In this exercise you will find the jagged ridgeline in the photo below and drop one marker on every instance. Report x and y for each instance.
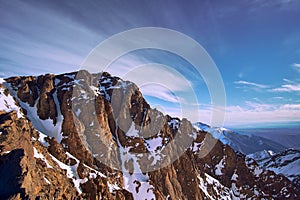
(93, 136)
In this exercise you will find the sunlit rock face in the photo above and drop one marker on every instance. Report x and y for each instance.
(94, 136)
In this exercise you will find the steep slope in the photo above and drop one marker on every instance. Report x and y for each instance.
(246, 144)
(35, 166)
(93, 136)
(286, 163)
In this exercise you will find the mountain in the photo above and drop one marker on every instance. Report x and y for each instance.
(287, 136)
(286, 163)
(278, 159)
(93, 136)
(246, 144)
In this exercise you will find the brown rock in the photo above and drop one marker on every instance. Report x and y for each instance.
(94, 136)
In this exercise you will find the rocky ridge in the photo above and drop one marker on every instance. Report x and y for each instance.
(93, 136)
(246, 144)
(286, 163)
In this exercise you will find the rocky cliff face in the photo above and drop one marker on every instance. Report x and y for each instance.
(93, 136)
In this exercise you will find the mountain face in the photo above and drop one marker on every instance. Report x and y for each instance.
(93, 136)
(286, 163)
(246, 144)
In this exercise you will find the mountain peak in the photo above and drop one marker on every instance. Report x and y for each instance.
(94, 136)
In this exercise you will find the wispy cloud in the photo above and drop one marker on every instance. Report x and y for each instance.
(252, 113)
(160, 92)
(255, 113)
(288, 81)
(287, 88)
(278, 97)
(290, 85)
(282, 5)
(291, 106)
(296, 65)
(251, 84)
(42, 41)
(254, 106)
(155, 80)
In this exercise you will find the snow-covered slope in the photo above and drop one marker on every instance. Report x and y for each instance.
(76, 141)
(7, 102)
(268, 154)
(286, 163)
(246, 144)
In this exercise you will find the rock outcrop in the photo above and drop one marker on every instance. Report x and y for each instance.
(94, 136)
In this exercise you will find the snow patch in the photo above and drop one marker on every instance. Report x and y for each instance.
(286, 163)
(45, 126)
(154, 143)
(47, 181)
(78, 111)
(257, 171)
(219, 191)
(41, 156)
(113, 187)
(218, 133)
(95, 90)
(42, 140)
(132, 132)
(95, 172)
(234, 176)
(174, 123)
(137, 183)
(196, 146)
(219, 167)
(8, 104)
(71, 172)
(92, 123)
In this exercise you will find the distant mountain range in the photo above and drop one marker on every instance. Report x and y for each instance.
(246, 144)
(288, 136)
(93, 136)
(268, 154)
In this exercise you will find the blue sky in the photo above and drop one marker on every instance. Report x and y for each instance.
(255, 45)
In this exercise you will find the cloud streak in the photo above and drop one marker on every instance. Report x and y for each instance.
(160, 92)
(296, 65)
(290, 86)
(41, 42)
(255, 113)
(265, 113)
(251, 84)
(252, 113)
(287, 88)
